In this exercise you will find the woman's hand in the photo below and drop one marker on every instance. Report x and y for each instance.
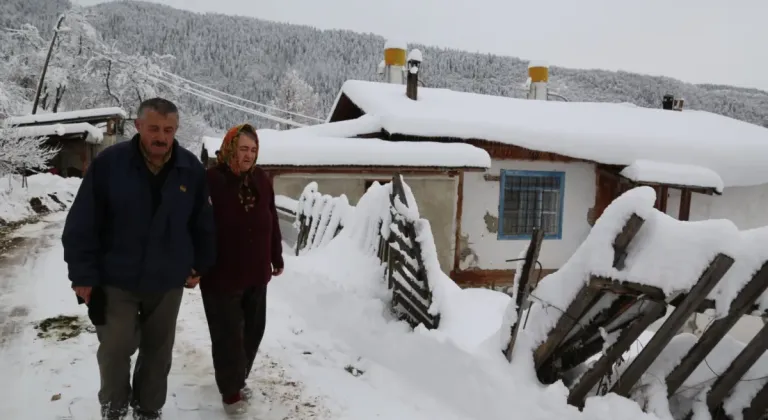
(277, 271)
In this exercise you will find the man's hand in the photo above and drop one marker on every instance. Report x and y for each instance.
(84, 292)
(192, 280)
(277, 271)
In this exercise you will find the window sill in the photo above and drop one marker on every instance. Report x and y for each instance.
(526, 237)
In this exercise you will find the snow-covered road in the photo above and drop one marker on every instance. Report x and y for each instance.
(331, 350)
(43, 378)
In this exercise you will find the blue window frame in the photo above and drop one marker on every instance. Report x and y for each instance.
(528, 199)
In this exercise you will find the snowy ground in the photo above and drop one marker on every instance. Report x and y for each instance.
(331, 351)
(46, 191)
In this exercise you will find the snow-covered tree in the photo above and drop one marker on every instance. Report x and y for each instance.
(296, 96)
(18, 153)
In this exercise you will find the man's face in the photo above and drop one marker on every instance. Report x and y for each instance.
(247, 149)
(156, 131)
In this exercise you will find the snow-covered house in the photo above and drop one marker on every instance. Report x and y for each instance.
(81, 134)
(343, 165)
(559, 164)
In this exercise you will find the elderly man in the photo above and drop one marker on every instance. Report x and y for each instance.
(140, 229)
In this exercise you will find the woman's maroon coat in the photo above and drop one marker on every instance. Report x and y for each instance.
(248, 244)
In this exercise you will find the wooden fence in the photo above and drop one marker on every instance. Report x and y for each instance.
(406, 272)
(320, 217)
(606, 305)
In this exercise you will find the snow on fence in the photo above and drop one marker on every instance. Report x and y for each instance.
(407, 263)
(319, 217)
(395, 233)
(635, 264)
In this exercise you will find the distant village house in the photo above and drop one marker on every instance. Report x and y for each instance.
(81, 134)
(554, 165)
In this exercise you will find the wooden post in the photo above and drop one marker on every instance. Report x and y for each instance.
(684, 212)
(524, 285)
(41, 81)
(459, 214)
(663, 196)
(719, 328)
(717, 268)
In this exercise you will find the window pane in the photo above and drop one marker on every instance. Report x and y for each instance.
(549, 223)
(530, 201)
(550, 200)
(511, 200)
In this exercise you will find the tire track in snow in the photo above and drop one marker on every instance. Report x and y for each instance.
(16, 265)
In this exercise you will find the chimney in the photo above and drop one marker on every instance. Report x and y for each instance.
(538, 73)
(668, 102)
(394, 61)
(412, 78)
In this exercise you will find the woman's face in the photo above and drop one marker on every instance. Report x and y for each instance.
(247, 149)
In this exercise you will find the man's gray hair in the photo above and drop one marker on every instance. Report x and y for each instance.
(159, 105)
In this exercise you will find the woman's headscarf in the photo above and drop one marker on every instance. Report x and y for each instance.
(228, 156)
(228, 150)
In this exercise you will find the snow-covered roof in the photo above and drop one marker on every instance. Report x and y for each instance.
(95, 135)
(65, 116)
(600, 132)
(283, 148)
(367, 124)
(673, 174)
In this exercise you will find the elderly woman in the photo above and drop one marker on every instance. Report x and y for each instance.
(249, 253)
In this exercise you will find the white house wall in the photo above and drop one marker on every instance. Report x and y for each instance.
(480, 248)
(744, 206)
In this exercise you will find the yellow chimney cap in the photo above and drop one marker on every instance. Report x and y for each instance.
(394, 52)
(538, 71)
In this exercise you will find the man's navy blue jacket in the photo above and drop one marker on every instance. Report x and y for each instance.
(113, 235)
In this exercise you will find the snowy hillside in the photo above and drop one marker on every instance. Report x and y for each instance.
(249, 57)
(271, 63)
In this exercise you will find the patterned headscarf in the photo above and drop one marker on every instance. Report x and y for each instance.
(228, 150)
(228, 156)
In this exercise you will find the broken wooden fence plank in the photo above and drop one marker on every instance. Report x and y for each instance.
(671, 326)
(628, 288)
(736, 370)
(718, 329)
(627, 336)
(620, 244)
(581, 347)
(584, 300)
(524, 286)
(758, 407)
(586, 296)
(531, 257)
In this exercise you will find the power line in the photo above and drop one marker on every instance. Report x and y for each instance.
(220, 101)
(239, 98)
(208, 96)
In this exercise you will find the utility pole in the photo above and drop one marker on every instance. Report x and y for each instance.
(45, 65)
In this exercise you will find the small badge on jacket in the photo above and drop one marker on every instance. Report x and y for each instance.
(183, 188)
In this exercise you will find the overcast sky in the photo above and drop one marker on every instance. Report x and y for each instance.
(713, 41)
